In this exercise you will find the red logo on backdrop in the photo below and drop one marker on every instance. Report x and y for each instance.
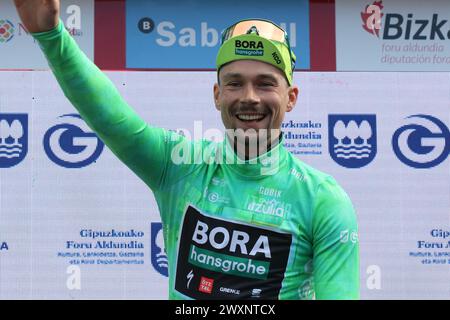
(206, 285)
(6, 30)
(371, 18)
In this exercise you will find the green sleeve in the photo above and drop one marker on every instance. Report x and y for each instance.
(335, 247)
(144, 149)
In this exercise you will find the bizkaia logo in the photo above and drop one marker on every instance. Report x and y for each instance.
(6, 30)
(399, 26)
(215, 253)
(371, 18)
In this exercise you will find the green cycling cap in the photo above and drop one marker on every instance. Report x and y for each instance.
(260, 40)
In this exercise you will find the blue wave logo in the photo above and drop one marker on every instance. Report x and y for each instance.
(13, 139)
(71, 144)
(423, 143)
(352, 139)
(158, 252)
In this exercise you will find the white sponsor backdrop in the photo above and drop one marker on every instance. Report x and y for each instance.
(19, 50)
(44, 206)
(417, 39)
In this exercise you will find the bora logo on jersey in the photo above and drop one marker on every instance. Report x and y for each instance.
(232, 254)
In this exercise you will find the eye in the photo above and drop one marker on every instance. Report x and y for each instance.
(234, 84)
(266, 84)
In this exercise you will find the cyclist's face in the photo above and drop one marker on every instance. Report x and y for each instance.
(253, 94)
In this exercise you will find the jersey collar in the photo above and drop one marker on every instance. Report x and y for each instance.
(266, 164)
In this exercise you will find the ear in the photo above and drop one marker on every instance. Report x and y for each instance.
(293, 95)
(216, 95)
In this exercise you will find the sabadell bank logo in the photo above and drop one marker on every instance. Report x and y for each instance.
(6, 31)
(400, 26)
(168, 33)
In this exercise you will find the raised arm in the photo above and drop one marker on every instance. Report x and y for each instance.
(144, 149)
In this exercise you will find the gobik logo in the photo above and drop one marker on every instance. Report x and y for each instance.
(423, 143)
(71, 144)
(158, 252)
(13, 139)
(397, 26)
(352, 139)
(6, 30)
(215, 254)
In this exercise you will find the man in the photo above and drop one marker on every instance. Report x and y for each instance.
(242, 218)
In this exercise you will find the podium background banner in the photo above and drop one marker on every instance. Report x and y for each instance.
(18, 49)
(75, 223)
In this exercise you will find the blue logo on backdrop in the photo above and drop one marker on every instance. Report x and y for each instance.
(4, 246)
(70, 144)
(352, 139)
(424, 143)
(189, 37)
(13, 138)
(158, 252)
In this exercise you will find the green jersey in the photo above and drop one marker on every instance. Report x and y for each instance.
(267, 228)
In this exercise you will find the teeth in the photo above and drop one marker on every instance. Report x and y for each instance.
(250, 117)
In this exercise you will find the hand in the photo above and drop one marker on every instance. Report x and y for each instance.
(38, 15)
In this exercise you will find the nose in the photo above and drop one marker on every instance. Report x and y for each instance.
(249, 95)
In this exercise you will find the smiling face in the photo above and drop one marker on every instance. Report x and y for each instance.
(253, 95)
